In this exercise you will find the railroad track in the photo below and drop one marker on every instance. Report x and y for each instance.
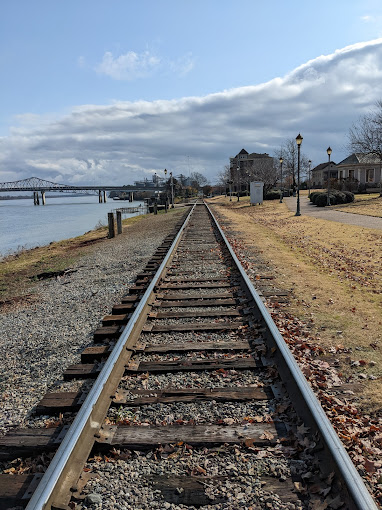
(196, 402)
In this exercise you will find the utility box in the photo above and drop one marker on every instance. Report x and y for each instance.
(256, 189)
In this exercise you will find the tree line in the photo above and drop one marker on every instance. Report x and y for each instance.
(187, 187)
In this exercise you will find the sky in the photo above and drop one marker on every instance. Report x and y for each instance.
(113, 91)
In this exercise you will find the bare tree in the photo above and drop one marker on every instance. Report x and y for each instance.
(289, 153)
(366, 136)
(223, 176)
(223, 179)
(198, 180)
(264, 170)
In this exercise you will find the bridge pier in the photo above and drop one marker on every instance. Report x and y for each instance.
(43, 197)
(36, 200)
(131, 196)
(104, 196)
(99, 196)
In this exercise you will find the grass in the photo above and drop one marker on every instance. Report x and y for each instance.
(367, 204)
(18, 272)
(335, 272)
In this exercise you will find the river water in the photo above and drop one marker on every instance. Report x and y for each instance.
(24, 225)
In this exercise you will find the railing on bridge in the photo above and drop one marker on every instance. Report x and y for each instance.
(36, 185)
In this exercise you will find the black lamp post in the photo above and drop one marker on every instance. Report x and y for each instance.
(281, 179)
(166, 206)
(299, 142)
(329, 151)
(172, 191)
(238, 182)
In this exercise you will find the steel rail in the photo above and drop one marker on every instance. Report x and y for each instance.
(56, 473)
(354, 484)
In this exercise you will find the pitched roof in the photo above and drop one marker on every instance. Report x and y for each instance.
(321, 166)
(255, 155)
(243, 151)
(358, 158)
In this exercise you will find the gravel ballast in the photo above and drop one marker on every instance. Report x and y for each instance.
(40, 340)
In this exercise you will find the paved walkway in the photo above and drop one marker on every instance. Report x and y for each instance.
(327, 213)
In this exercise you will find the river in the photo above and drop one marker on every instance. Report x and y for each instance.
(24, 225)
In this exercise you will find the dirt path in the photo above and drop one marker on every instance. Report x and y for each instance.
(325, 213)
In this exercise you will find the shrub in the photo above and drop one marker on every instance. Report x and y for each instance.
(320, 199)
(272, 195)
(340, 197)
(313, 195)
(349, 196)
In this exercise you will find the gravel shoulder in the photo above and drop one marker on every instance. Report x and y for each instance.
(41, 339)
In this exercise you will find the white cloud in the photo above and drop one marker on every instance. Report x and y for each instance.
(125, 141)
(129, 66)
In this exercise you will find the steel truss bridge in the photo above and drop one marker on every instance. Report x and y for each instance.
(36, 185)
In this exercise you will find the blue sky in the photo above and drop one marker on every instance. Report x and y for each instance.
(94, 89)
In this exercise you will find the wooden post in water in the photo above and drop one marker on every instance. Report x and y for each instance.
(119, 222)
(110, 220)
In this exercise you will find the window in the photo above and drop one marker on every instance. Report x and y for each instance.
(370, 175)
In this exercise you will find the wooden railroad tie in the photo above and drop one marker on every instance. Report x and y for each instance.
(183, 279)
(101, 352)
(186, 490)
(196, 285)
(200, 313)
(190, 490)
(172, 296)
(25, 442)
(259, 434)
(172, 395)
(186, 303)
(193, 326)
(91, 370)
(54, 403)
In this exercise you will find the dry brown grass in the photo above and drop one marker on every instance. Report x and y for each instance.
(335, 273)
(369, 205)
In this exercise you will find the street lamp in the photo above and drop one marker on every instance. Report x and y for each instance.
(329, 151)
(172, 191)
(299, 142)
(238, 182)
(230, 190)
(166, 205)
(281, 179)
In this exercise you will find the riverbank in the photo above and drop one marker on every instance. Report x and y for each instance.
(48, 323)
(20, 271)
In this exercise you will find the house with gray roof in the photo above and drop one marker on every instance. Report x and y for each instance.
(320, 174)
(364, 169)
(355, 171)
